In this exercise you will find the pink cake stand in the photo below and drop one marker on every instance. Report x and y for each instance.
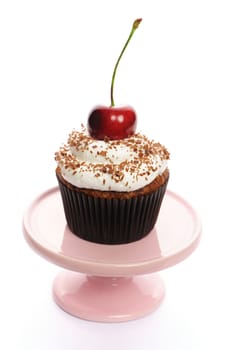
(110, 283)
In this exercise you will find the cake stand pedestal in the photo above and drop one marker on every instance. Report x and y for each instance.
(110, 283)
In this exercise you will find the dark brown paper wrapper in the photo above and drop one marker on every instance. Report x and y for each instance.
(111, 221)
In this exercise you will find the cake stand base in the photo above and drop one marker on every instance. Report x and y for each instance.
(108, 299)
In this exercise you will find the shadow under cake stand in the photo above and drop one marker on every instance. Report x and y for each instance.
(110, 283)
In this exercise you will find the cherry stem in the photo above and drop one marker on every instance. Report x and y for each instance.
(134, 27)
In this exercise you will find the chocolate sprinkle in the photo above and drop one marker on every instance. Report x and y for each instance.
(143, 163)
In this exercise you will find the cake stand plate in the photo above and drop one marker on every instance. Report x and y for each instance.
(112, 283)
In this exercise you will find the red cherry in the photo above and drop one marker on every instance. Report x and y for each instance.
(111, 122)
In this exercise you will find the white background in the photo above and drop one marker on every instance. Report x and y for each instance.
(56, 61)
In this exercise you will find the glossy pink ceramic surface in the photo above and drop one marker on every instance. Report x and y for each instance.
(175, 236)
(108, 299)
(108, 292)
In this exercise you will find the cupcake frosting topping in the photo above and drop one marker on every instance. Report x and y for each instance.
(111, 165)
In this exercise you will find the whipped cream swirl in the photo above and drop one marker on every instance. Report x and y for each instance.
(111, 165)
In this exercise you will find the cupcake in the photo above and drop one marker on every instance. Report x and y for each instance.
(112, 179)
(112, 190)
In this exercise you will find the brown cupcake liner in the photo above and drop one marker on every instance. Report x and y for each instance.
(111, 220)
